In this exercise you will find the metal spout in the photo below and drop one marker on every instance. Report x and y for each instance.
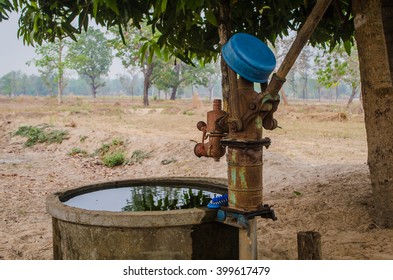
(212, 132)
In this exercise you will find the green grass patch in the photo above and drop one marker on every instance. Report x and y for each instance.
(138, 156)
(78, 152)
(108, 148)
(114, 159)
(41, 134)
(112, 154)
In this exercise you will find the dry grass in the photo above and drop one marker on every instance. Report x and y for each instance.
(332, 128)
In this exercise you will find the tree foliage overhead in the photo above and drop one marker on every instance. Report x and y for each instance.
(189, 29)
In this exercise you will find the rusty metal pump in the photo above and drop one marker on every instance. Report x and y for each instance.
(213, 133)
(240, 129)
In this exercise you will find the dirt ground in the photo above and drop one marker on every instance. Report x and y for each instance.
(315, 172)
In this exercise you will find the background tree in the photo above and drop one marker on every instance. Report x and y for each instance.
(213, 76)
(91, 56)
(175, 74)
(51, 66)
(281, 47)
(11, 83)
(128, 83)
(8, 84)
(304, 67)
(17, 83)
(352, 73)
(38, 86)
(331, 70)
(133, 53)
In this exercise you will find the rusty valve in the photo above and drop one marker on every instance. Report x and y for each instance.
(211, 131)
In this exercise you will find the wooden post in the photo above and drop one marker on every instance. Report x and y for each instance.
(309, 245)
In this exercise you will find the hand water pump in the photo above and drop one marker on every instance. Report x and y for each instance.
(240, 129)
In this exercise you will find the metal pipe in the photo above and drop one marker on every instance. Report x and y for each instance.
(212, 148)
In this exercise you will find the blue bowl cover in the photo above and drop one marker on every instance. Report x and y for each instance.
(249, 57)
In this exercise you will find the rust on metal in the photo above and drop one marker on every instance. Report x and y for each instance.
(244, 155)
(211, 132)
(245, 178)
(241, 131)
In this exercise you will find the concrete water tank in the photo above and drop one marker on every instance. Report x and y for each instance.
(94, 232)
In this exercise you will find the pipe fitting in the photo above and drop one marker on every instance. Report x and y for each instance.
(211, 132)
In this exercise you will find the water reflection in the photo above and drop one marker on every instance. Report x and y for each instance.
(142, 198)
(166, 198)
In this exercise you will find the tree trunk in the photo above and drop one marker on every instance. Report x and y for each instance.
(146, 83)
(94, 91)
(305, 89)
(93, 87)
(387, 13)
(319, 94)
(377, 98)
(173, 94)
(146, 91)
(211, 93)
(337, 93)
(60, 77)
(352, 96)
(284, 97)
(224, 31)
(179, 81)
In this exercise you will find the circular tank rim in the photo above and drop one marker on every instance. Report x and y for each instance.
(57, 209)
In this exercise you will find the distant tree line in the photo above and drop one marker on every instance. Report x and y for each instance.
(81, 67)
(16, 83)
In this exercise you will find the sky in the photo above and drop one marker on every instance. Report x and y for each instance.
(14, 54)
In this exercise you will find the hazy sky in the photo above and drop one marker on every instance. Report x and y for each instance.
(14, 55)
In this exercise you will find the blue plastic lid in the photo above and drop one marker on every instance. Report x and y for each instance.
(249, 57)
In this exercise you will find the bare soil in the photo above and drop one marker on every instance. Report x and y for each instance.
(315, 172)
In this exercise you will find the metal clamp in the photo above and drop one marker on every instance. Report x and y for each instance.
(239, 219)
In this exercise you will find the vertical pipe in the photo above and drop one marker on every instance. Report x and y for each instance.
(248, 249)
(245, 184)
(245, 164)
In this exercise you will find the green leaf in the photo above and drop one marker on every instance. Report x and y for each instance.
(348, 47)
(143, 51)
(211, 17)
(95, 7)
(263, 9)
(163, 5)
(112, 5)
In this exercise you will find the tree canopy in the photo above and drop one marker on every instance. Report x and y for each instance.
(188, 29)
(91, 57)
